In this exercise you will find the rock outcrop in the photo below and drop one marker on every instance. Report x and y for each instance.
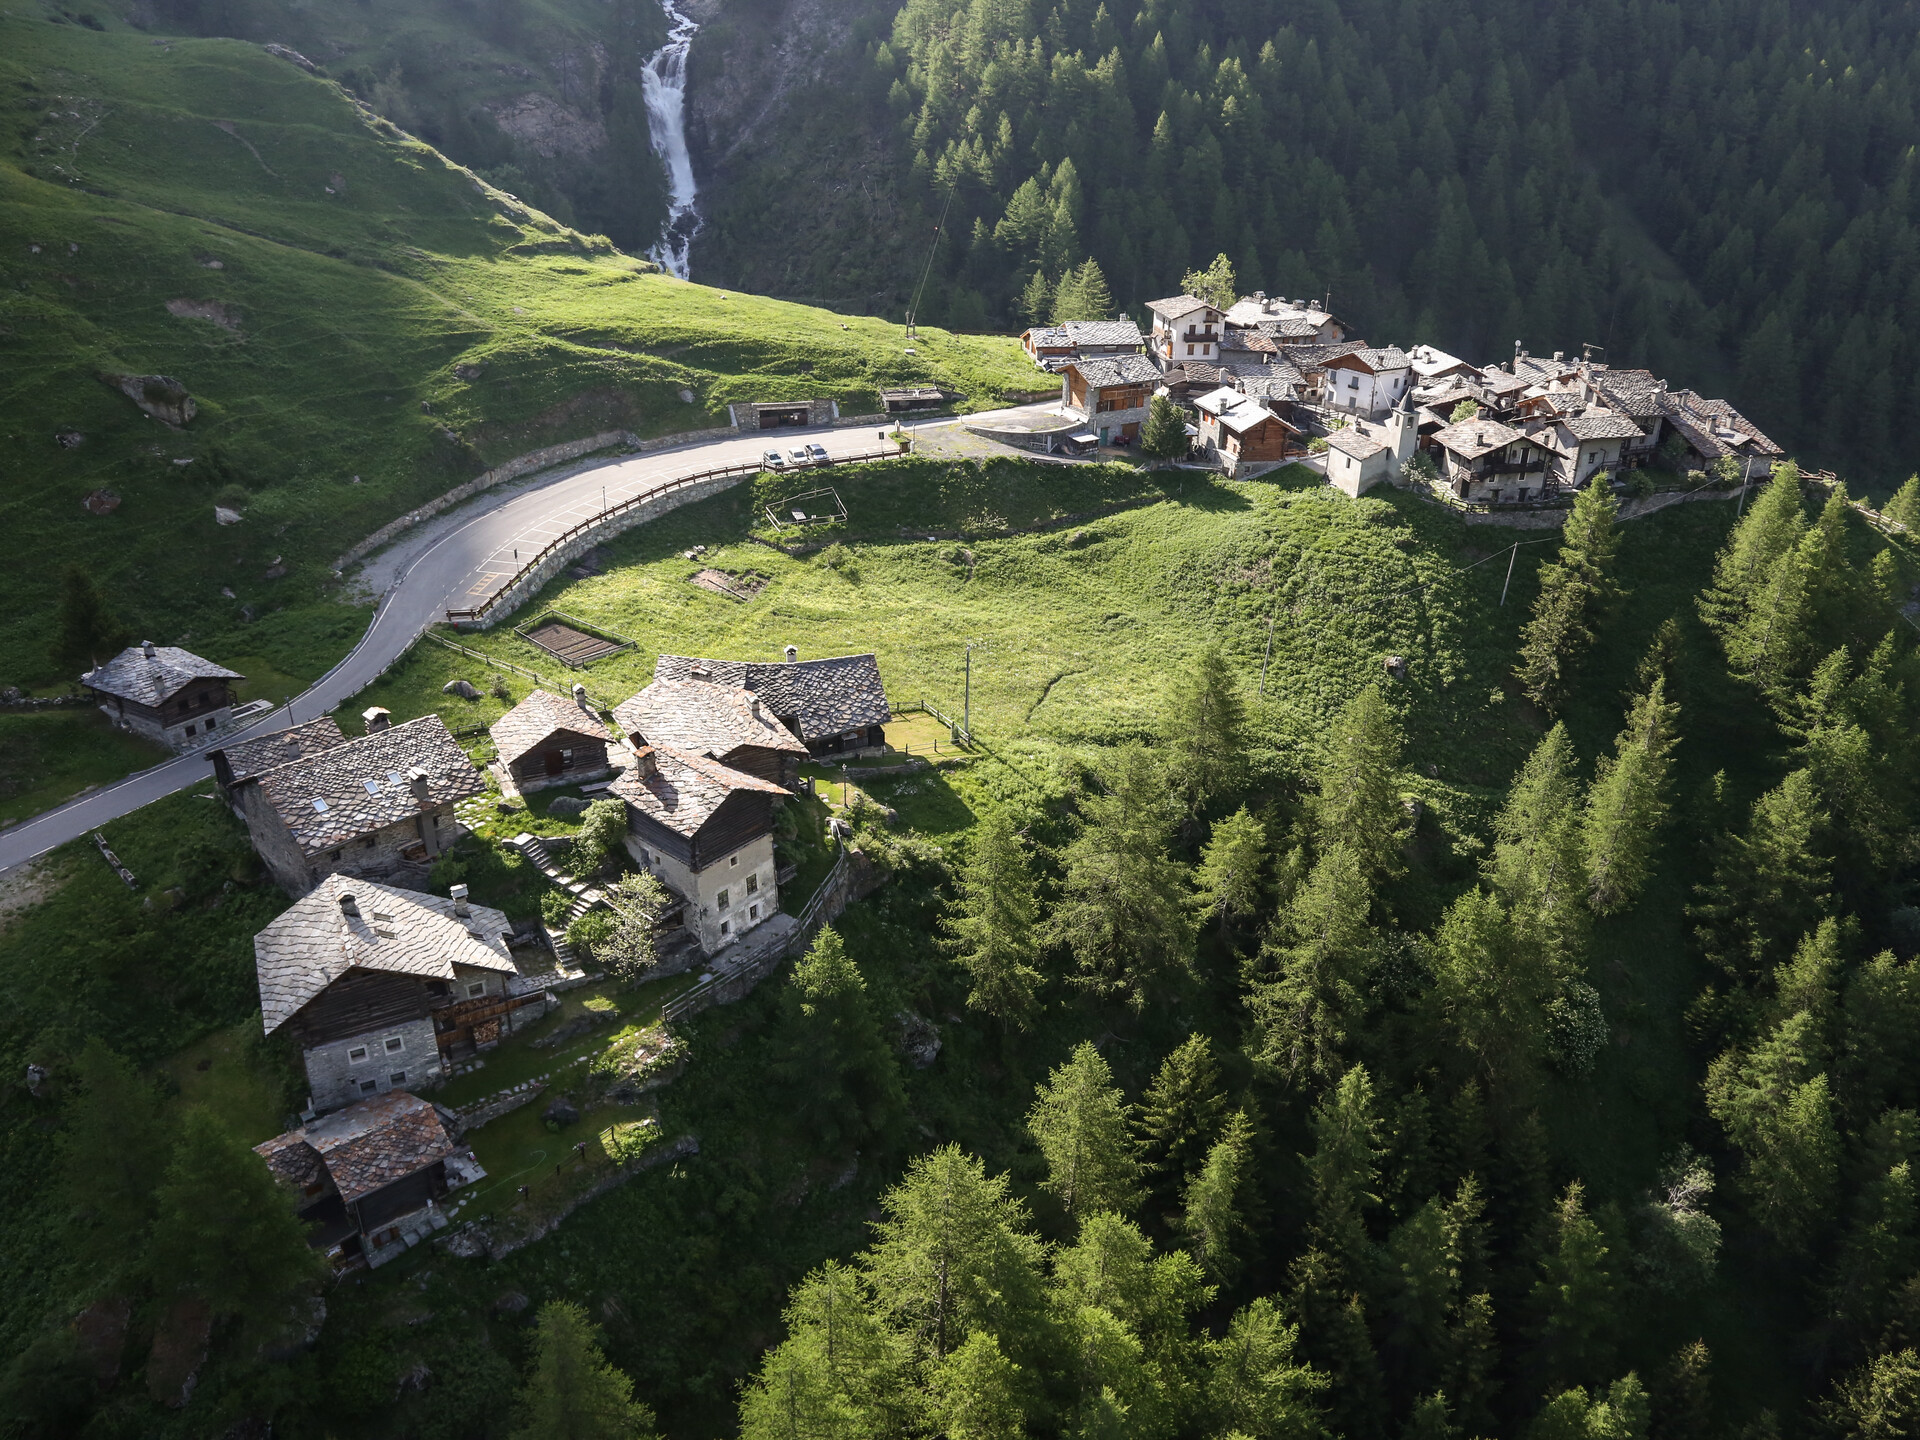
(161, 396)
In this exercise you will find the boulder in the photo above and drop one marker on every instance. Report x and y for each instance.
(919, 1039)
(69, 439)
(561, 1112)
(511, 1303)
(1395, 666)
(466, 372)
(565, 804)
(292, 56)
(161, 396)
(100, 502)
(687, 397)
(464, 689)
(179, 1350)
(223, 516)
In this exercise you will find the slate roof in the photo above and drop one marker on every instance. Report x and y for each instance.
(1714, 428)
(1496, 381)
(1383, 357)
(292, 1160)
(1174, 306)
(1236, 411)
(1102, 371)
(703, 717)
(1048, 337)
(684, 789)
(1266, 386)
(1602, 425)
(1352, 442)
(151, 680)
(340, 779)
(1197, 372)
(1474, 438)
(1638, 392)
(1288, 329)
(1103, 332)
(535, 719)
(254, 757)
(365, 1147)
(1315, 357)
(401, 932)
(1252, 310)
(1429, 360)
(822, 697)
(1257, 341)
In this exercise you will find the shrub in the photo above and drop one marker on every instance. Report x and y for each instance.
(554, 905)
(837, 557)
(591, 931)
(602, 829)
(1576, 1027)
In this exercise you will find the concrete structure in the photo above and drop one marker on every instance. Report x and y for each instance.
(165, 693)
(1111, 395)
(545, 740)
(706, 831)
(374, 806)
(380, 986)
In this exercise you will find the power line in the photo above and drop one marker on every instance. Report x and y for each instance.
(932, 250)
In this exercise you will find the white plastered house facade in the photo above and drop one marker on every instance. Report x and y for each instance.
(734, 894)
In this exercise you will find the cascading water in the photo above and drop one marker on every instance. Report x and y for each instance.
(664, 84)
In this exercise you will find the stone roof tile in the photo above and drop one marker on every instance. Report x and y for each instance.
(367, 1146)
(152, 679)
(822, 698)
(681, 789)
(364, 785)
(536, 719)
(254, 757)
(705, 717)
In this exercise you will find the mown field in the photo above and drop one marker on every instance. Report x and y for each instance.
(362, 325)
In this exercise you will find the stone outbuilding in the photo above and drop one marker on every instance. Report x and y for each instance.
(836, 706)
(368, 1178)
(545, 740)
(380, 805)
(382, 987)
(706, 831)
(723, 722)
(169, 695)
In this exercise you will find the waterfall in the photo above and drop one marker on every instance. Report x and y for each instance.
(664, 84)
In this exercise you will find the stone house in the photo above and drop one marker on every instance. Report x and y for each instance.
(1051, 346)
(835, 706)
(1712, 429)
(545, 740)
(1243, 434)
(1582, 446)
(1111, 395)
(1484, 460)
(1432, 365)
(1363, 453)
(167, 694)
(723, 722)
(1290, 322)
(237, 765)
(706, 832)
(380, 805)
(1369, 381)
(1185, 328)
(368, 1178)
(380, 986)
(1639, 395)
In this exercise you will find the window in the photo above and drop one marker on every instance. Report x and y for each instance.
(1189, 349)
(357, 1054)
(476, 989)
(398, 1077)
(190, 729)
(753, 912)
(566, 758)
(367, 843)
(367, 1087)
(724, 899)
(733, 861)
(395, 1044)
(333, 854)
(725, 926)
(373, 786)
(753, 883)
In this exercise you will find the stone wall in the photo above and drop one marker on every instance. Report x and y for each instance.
(334, 1079)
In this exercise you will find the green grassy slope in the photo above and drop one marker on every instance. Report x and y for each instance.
(348, 269)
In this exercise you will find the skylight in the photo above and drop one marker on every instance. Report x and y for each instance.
(373, 786)
(320, 806)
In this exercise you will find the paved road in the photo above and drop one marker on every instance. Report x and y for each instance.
(435, 568)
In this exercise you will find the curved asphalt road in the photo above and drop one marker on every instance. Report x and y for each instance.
(452, 568)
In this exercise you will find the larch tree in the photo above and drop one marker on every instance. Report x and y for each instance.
(1575, 1298)
(1079, 1121)
(1879, 1401)
(977, 1393)
(1257, 1385)
(1618, 1412)
(1180, 1116)
(1491, 990)
(1229, 884)
(1537, 867)
(1320, 961)
(1082, 295)
(1344, 1168)
(1358, 800)
(1769, 883)
(1204, 730)
(573, 1392)
(86, 632)
(1573, 592)
(1904, 507)
(1036, 300)
(1214, 1217)
(1628, 802)
(989, 927)
(1770, 530)
(1779, 1113)
(834, 1052)
(1215, 284)
(840, 1371)
(1124, 911)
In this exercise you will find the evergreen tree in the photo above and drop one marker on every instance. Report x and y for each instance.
(1123, 913)
(1343, 1168)
(990, 925)
(1164, 436)
(1619, 1413)
(1537, 868)
(844, 1071)
(1779, 1113)
(115, 1140)
(1879, 1401)
(1768, 885)
(1307, 1015)
(1079, 1121)
(1082, 295)
(839, 1371)
(1036, 300)
(1572, 594)
(1767, 643)
(1878, 1253)
(1628, 802)
(1358, 803)
(1228, 885)
(572, 1392)
(1770, 531)
(1204, 730)
(977, 1392)
(1214, 1213)
(1256, 1384)
(1326, 1306)
(1680, 1402)
(1491, 990)
(1181, 1114)
(1877, 1065)
(86, 633)
(225, 1232)
(1215, 284)
(1575, 1297)
(1904, 507)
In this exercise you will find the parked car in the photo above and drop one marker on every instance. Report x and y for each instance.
(798, 456)
(774, 460)
(817, 454)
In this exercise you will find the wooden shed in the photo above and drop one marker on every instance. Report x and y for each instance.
(545, 740)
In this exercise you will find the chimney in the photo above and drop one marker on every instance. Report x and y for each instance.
(417, 782)
(1517, 351)
(644, 764)
(793, 653)
(1558, 356)
(146, 648)
(580, 697)
(459, 894)
(378, 717)
(348, 907)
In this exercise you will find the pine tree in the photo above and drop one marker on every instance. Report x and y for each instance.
(1575, 1298)
(1256, 1385)
(1537, 868)
(1769, 885)
(1164, 437)
(1321, 959)
(1214, 1215)
(1215, 284)
(1204, 730)
(1573, 592)
(1036, 300)
(1180, 1116)
(1079, 1121)
(225, 1231)
(1082, 295)
(1904, 507)
(1628, 802)
(977, 1392)
(1228, 885)
(86, 633)
(1358, 802)
(1779, 1113)
(845, 1073)
(990, 925)
(115, 1140)
(572, 1392)
(1123, 913)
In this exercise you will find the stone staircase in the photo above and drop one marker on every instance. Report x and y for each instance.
(585, 894)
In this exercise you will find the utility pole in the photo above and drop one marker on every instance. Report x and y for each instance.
(966, 707)
(1745, 480)
(1265, 658)
(1509, 581)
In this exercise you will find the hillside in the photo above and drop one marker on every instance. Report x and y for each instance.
(361, 324)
